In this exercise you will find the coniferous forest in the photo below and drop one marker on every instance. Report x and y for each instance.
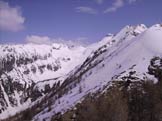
(123, 101)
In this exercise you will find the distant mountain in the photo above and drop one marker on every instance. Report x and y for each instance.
(29, 71)
(37, 75)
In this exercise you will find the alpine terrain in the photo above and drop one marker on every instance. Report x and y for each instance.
(54, 82)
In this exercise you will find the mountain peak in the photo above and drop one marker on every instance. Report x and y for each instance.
(139, 28)
(152, 39)
(38, 70)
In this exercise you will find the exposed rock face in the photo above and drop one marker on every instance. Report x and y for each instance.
(125, 57)
(27, 72)
(68, 76)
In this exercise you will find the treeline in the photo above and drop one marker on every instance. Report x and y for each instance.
(141, 101)
(124, 101)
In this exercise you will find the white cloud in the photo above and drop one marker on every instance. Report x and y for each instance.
(38, 39)
(35, 39)
(80, 41)
(10, 18)
(116, 5)
(99, 1)
(85, 9)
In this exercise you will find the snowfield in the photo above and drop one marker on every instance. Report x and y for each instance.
(132, 50)
(90, 68)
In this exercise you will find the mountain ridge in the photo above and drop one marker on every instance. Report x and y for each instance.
(112, 58)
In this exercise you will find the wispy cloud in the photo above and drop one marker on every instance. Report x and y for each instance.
(10, 18)
(38, 39)
(85, 9)
(99, 1)
(116, 5)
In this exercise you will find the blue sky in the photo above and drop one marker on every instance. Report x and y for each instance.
(81, 20)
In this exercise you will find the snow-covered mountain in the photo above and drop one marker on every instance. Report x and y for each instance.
(29, 71)
(75, 72)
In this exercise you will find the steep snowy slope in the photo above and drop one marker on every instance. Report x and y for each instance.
(116, 57)
(129, 56)
(28, 72)
(39, 59)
